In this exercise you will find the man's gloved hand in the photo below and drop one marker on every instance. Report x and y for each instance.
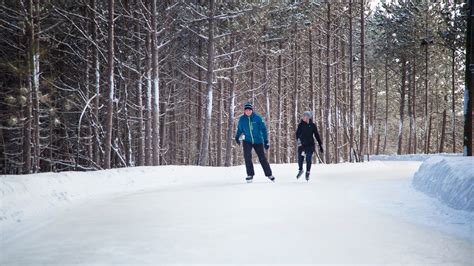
(237, 140)
(266, 145)
(321, 150)
(298, 141)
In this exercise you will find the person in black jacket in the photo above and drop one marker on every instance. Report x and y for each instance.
(305, 135)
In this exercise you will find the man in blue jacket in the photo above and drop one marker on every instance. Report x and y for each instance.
(255, 133)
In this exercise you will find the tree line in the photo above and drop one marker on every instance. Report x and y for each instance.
(102, 84)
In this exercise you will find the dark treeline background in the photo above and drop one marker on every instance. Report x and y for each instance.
(91, 84)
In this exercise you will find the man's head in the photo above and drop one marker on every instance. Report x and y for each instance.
(307, 116)
(248, 109)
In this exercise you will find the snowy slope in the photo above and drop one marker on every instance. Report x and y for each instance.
(450, 179)
(348, 213)
(23, 197)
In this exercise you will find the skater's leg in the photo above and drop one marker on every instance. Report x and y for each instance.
(300, 159)
(263, 160)
(309, 160)
(248, 158)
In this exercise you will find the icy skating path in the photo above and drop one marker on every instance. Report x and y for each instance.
(223, 220)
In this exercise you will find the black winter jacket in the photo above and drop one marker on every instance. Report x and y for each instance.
(305, 133)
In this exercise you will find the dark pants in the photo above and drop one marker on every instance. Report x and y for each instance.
(309, 158)
(261, 157)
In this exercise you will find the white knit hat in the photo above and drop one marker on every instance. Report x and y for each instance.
(308, 114)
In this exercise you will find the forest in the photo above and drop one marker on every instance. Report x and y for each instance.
(90, 84)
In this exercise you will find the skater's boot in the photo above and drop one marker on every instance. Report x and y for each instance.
(307, 176)
(272, 178)
(249, 179)
(300, 172)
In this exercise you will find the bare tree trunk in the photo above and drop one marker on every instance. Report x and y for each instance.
(287, 113)
(251, 97)
(295, 87)
(443, 125)
(469, 91)
(336, 104)
(128, 133)
(351, 85)
(33, 86)
(368, 113)
(204, 151)
(345, 129)
(386, 107)
(415, 141)
(311, 79)
(156, 85)
(402, 107)
(148, 129)
(322, 119)
(36, 85)
(375, 128)
(370, 135)
(328, 82)
(212, 147)
(27, 134)
(279, 108)
(96, 67)
(428, 141)
(362, 80)
(30, 119)
(410, 111)
(426, 102)
(199, 103)
(219, 125)
(90, 128)
(231, 106)
(189, 125)
(437, 126)
(175, 138)
(110, 110)
(453, 97)
(139, 94)
(163, 131)
(266, 90)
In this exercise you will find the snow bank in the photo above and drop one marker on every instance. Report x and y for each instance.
(23, 197)
(450, 179)
(409, 157)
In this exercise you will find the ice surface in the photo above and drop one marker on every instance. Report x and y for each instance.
(363, 213)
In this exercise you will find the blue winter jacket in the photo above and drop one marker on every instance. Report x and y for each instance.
(253, 128)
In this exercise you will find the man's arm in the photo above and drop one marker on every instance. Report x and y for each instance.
(239, 130)
(264, 130)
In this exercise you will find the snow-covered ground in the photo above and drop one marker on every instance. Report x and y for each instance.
(348, 213)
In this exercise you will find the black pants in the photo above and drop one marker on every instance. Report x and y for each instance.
(261, 157)
(309, 158)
